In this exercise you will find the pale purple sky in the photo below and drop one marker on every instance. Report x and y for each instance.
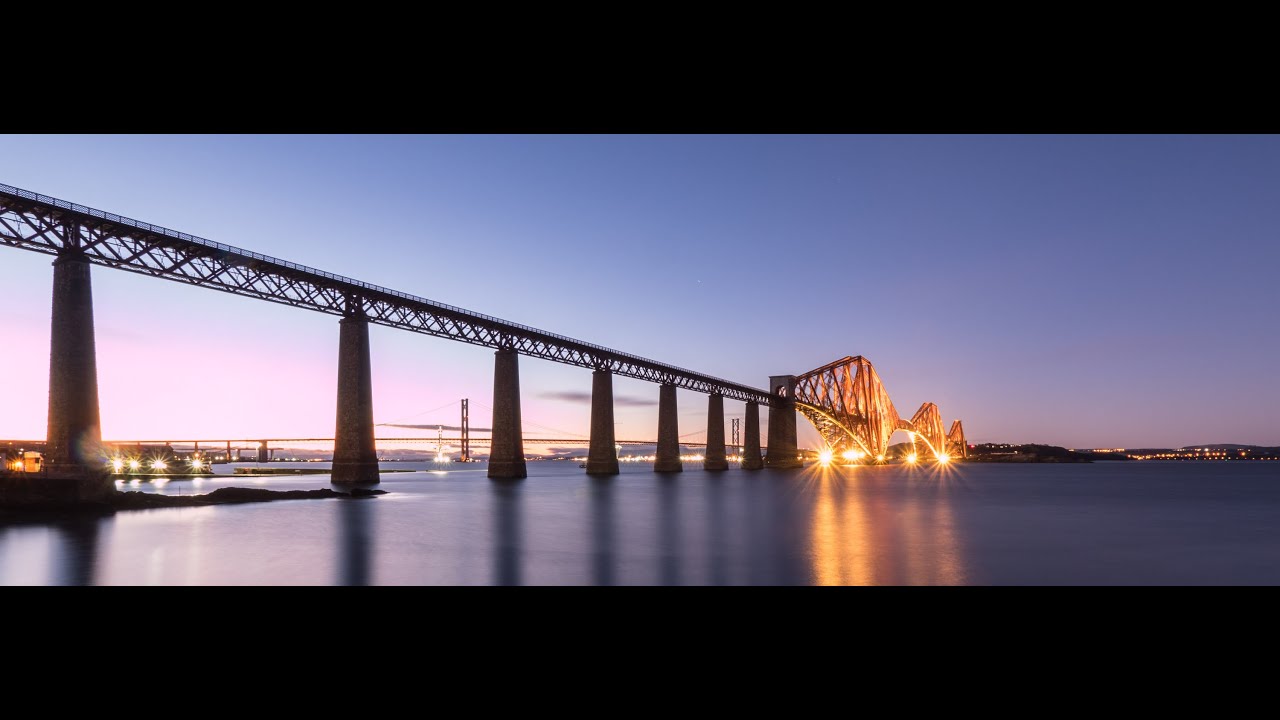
(1083, 291)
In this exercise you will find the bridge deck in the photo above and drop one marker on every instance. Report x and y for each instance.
(40, 223)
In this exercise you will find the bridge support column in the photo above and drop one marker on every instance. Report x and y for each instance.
(667, 459)
(264, 453)
(506, 450)
(355, 458)
(602, 458)
(714, 458)
(751, 459)
(783, 450)
(74, 440)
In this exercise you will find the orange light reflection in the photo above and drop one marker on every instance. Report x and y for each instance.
(861, 535)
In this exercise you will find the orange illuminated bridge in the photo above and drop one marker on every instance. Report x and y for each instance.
(851, 409)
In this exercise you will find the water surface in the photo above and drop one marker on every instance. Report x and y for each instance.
(978, 524)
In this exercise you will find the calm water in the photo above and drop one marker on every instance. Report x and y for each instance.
(1121, 523)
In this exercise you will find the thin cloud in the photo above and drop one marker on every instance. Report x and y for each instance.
(632, 401)
(585, 398)
(568, 396)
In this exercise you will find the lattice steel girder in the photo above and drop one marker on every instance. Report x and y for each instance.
(846, 401)
(956, 443)
(48, 225)
(836, 435)
(850, 391)
(927, 424)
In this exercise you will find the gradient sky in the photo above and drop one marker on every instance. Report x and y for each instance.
(1086, 291)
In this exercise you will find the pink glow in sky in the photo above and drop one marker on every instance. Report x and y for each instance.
(241, 369)
(1052, 289)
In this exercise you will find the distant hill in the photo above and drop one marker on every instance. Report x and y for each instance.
(1223, 446)
(1035, 453)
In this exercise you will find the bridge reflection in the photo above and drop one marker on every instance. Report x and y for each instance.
(51, 550)
(507, 535)
(355, 541)
(668, 541)
(856, 525)
(603, 520)
(75, 562)
(717, 532)
(863, 531)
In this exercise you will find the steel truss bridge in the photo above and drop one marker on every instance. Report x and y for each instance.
(40, 223)
(851, 409)
(845, 400)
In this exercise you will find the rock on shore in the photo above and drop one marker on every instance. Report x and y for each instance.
(229, 495)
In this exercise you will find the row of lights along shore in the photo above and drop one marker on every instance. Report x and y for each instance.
(159, 464)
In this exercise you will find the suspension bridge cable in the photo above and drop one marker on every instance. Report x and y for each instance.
(525, 421)
(400, 420)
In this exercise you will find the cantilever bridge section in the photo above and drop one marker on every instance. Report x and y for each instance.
(851, 409)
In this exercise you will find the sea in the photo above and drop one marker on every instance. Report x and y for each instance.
(1122, 523)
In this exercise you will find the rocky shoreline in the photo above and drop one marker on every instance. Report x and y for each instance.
(1026, 459)
(229, 495)
(95, 492)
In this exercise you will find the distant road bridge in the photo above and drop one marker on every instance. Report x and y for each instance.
(264, 448)
(80, 236)
(428, 440)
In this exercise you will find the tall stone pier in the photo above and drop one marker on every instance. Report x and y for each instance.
(667, 458)
(602, 458)
(74, 440)
(783, 450)
(355, 459)
(75, 470)
(506, 454)
(751, 459)
(714, 458)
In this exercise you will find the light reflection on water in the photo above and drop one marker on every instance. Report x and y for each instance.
(840, 536)
(860, 536)
(1133, 523)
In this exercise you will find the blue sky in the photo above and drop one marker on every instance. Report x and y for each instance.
(1082, 291)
